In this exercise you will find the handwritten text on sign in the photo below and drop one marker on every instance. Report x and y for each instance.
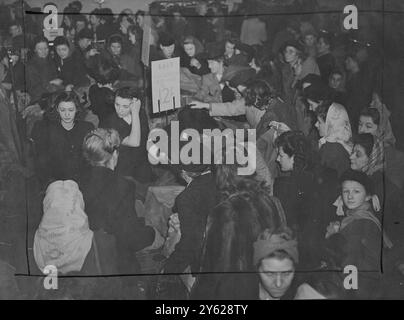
(166, 84)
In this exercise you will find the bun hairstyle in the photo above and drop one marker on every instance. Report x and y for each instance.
(99, 146)
(294, 143)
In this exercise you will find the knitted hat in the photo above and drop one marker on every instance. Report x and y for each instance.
(360, 177)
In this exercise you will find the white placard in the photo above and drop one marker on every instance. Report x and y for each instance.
(166, 84)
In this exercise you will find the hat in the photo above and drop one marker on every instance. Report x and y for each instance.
(85, 34)
(295, 44)
(269, 243)
(360, 177)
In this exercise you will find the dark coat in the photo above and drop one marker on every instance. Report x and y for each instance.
(334, 156)
(132, 161)
(70, 70)
(193, 205)
(58, 151)
(38, 74)
(110, 206)
(102, 102)
(326, 64)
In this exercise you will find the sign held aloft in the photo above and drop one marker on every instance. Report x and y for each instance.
(166, 84)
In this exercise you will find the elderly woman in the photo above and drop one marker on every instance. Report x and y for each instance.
(58, 139)
(41, 72)
(335, 132)
(110, 201)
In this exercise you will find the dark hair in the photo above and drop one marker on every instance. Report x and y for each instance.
(366, 141)
(61, 40)
(358, 176)
(294, 143)
(245, 210)
(336, 71)
(373, 113)
(140, 13)
(132, 29)
(327, 38)
(322, 109)
(128, 93)
(40, 39)
(316, 91)
(127, 16)
(106, 73)
(259, 93)
(80, 17)
(115, 38)
(166, 40)
(65, 96)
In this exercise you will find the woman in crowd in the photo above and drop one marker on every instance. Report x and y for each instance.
(276, 259)
(368, 157)
(298, 192)
(335, 131)
(58, 139)
(64, 230)
(192, 59)
(69, 67)
(358, 236)
(296, 67)
(245, 208)
(41, 72)
(110, 203)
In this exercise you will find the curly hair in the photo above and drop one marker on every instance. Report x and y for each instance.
(259, 93)
(52, 114)
(294, 143)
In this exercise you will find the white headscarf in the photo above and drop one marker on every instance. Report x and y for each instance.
(63, 238)
(338, 127)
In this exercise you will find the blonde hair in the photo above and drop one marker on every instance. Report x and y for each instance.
(99, 145)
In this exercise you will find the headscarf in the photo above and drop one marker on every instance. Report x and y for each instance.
(376, 158)
(364, 212)
(268, 243)
(384, 132)
(63, 238)
(337, 127)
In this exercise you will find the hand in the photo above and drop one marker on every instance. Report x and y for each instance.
(195, 63)
(56, 82)
(135, 106)
(199, 105)
(174, 222)
(332, 228)
(34, 110)
(237, 51)
(93, 52)
(69, 87)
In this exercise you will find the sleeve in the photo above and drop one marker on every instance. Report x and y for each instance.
(333, 156)
(229, 109)
(130, 230)
(203, 94)
(185, 249)
(41, 144)
(34, 84)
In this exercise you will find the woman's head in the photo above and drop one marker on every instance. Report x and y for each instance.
(351, 63)
(369, 121)
(41, 47)
(336, 79)
(115, 44)
(356, 188)
(100, 147)
(276, 257)
(362, 150)
(62, 47)
(67, 108)
(293, 151)
(292, 51)
(192, 46)
(333, 122)
(259, 93)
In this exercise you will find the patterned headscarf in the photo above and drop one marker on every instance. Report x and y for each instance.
(337, 127)
(63, 238)
(376, 158)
